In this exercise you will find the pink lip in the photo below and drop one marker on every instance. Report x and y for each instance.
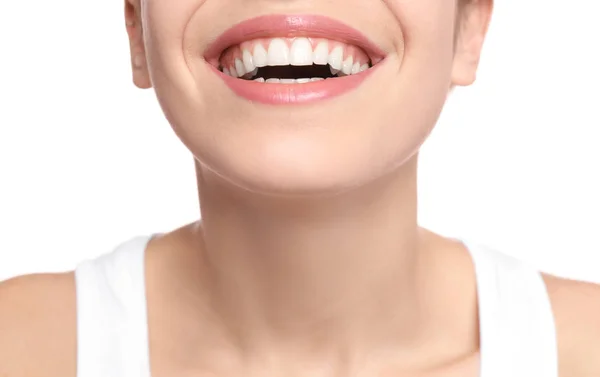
(290, 26)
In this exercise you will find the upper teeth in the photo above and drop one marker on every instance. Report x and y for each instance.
(244, 59)
(279, 53)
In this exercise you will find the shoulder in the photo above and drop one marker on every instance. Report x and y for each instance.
(38, 326)
(576, 307)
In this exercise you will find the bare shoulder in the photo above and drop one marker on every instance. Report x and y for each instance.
(576, 307)
(38, 326)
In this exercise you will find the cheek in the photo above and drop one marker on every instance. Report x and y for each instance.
(165, 22)
(427, 25)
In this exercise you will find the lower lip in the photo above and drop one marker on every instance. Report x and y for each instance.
(287, 94)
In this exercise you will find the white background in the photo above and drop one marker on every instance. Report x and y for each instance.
(88, 161)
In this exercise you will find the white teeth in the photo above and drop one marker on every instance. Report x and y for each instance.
(279, 53)
(301, 52)
(248, 61)
(259, 56)
(335, 58)
(321, 53)
(347, 65)
(289, 81)
(239, 68)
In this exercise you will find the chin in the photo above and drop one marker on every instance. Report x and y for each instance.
(292, 168)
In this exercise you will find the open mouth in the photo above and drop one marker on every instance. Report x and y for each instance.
(296, 60)
(259, 58)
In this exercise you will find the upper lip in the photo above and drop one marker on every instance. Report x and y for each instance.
(291, 26)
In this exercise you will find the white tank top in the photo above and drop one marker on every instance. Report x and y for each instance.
(517, 332)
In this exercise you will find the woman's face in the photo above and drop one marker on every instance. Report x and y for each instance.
(316, 137)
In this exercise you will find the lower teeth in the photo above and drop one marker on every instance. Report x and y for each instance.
(289, 81)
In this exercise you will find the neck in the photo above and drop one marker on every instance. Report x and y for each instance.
(338, 269)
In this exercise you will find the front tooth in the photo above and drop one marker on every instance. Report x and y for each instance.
(279, 52)
(248, 61)
(356, 68)
(301, 52)
(273, 80)
(321, 53)
(259, 58)
(288, 81)
(260, 79)
(347, 65)
(239, 68)
(335, 58)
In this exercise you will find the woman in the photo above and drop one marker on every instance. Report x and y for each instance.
(305, 119)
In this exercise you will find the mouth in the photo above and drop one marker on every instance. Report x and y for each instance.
(279, 59)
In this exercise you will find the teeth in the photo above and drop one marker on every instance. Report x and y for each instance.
(279, 53)
(250, 56)
(289, 81)
(347, 65)
(248, 61)
(259, 56)
(301, 52)
(321, 53)
(239, 68)
(335, 58)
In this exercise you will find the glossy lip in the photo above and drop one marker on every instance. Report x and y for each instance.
(292, 26)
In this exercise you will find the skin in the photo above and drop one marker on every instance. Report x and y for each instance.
(308, 258)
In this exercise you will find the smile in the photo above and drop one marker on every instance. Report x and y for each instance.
(280, 59)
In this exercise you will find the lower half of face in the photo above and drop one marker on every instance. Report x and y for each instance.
(306, 96)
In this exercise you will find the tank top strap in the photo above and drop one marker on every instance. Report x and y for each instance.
(112, 326)
(517, 327)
